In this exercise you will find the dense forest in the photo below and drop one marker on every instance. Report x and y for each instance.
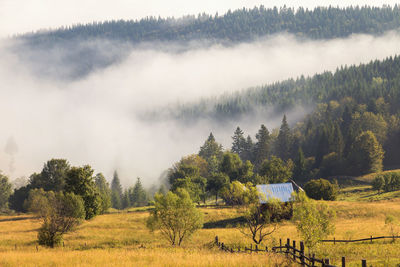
(363, 84)
(74, 51)
(354, 129)
(239, 25)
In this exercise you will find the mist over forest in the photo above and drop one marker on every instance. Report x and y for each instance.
(97, 94)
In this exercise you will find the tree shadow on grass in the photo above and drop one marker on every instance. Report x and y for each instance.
(226, 223)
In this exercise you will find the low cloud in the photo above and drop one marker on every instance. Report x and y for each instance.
(95, 120)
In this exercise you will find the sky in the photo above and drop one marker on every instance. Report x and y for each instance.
(19, 16)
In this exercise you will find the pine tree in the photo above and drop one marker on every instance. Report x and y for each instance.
(322, 148)
(248, 150)
(139, 195)
(210, 148)
(126, 202)
(284, 140)
(116, 190)
(262, 147)
(367, 154)
(104, 190)
(300, 169)
(338, 143)
(239, 141)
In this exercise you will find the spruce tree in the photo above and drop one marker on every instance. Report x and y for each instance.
(104, 190)
(338, 143)
(248, 150)
(116, 190)
(300, 169)
(239, 141)
(210, 148)
(322, 148)
(367, 154)
(284, 140)
(139, 195)
(262, 147)
(126, 203)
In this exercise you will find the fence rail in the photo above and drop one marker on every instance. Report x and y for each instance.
(298, 255)
(359, 240)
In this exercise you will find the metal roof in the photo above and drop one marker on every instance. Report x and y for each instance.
(283, 192)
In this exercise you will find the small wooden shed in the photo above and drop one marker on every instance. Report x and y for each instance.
(283, 192)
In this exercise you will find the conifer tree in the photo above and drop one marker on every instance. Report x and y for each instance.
(239, 141)
(322, 148)
(104, 191)
(300, 169)
(248, 150)
(262, 147)
(367, 154)
(338, 143)
(116, 190)
(139, 195)
(210, 148)
(126, 202)
(284, 140)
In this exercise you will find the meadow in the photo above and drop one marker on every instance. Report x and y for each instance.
(122, 239)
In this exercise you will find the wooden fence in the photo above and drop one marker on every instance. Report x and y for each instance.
(298, 255)
(334, 240)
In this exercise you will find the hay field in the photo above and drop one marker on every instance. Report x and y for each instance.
(121, 239)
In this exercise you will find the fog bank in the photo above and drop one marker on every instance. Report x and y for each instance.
(95, 120)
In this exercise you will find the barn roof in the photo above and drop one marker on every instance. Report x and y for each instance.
(283, 192)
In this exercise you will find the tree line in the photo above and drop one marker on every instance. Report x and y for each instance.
(234, 26)
(311, 150)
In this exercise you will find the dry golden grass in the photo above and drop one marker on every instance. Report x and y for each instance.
(121, 239)
(138, 257)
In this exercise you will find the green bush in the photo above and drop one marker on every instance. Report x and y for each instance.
(321, 189)
(387, 182)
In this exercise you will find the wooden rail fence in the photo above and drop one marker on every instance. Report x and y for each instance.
(298, 255)
(334, 241)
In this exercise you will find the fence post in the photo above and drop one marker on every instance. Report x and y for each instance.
(216, 240)
(251, 248)
(294, 250)
(302, 253)
(287, 247)
(266, 249)
(256, 248)
(343, 261)
(334, 240)
(222, 246)
(371, 239)
(364, 263)
(280, 244)
(326, 262)
(312, 260)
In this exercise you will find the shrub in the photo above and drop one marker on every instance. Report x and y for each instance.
(387, 182)
(175, 216)
(314, 220)
(59, 212)
(321, 189)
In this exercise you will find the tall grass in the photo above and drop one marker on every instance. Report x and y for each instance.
(121, 239)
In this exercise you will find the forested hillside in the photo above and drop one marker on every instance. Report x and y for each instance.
(75, 51)
(239, 25)
(363, 84)
(354, 129)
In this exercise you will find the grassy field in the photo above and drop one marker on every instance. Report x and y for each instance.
(121, 239)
